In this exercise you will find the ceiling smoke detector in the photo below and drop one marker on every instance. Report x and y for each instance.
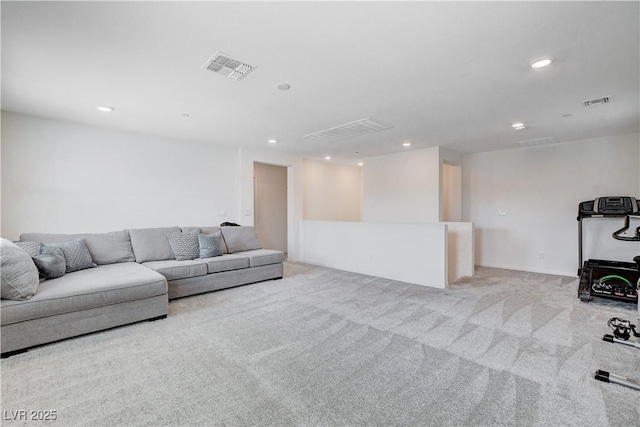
(349, 130)
(596, 101)
(226, 65)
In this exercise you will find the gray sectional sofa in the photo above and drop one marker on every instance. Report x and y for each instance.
(135, 276)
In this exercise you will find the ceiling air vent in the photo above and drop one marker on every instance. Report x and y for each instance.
(539, 141)
(349, 130)
(224, 64)
(596, 101)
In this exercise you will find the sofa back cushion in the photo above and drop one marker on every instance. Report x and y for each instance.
(152, 244)
(240, 239)
(208, 231)
(105, 248)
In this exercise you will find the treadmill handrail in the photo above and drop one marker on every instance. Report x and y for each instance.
(636, 238)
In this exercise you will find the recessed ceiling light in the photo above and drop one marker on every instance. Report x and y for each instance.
(327, 157)
(406, 144)
(518, 125)
(272, 141)
(106, 108)
(283, 86)
(360, 163)
(541, 63)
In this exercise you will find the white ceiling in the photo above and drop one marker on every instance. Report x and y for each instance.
(452, 74)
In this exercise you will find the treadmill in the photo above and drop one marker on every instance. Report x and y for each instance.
(603, 278)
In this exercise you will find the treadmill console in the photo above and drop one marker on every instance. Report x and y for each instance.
(608, 206)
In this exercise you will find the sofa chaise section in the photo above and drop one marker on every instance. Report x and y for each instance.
(82, 302)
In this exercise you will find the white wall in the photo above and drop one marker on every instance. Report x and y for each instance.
(408, 188)
(419, 257)
(65, 177)
(540, 189)
(402, 187)
(332, 192)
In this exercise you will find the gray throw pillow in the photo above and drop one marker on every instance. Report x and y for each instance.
(19, 274)
(210, 244)
(184, 245)
(51, 262)
(76, 255)
(32, 248)
(207, 230)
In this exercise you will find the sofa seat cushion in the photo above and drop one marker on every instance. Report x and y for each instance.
(173, 269)
(260, 257)
(226, 262)
(86, 289)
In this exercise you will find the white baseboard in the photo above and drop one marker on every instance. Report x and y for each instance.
(531, 270)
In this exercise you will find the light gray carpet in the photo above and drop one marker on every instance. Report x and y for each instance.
(327, 347)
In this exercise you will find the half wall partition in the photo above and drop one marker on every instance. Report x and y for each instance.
(423, 254)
